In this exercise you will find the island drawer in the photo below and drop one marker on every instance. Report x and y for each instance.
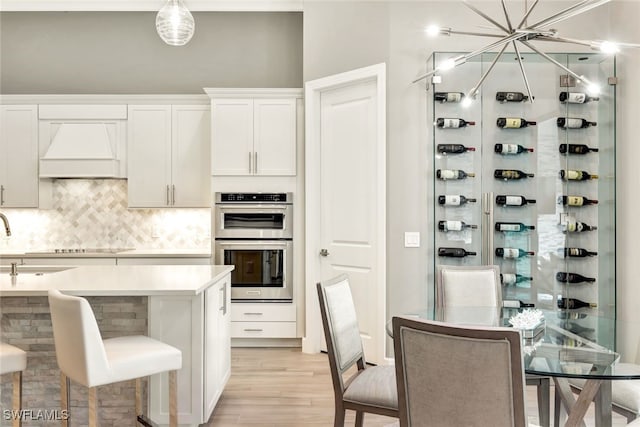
(263, 329)
(267, 312)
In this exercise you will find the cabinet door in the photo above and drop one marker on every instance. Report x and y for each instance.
(149, 155)
(224, 332)
(191, 144)
(211, 339)
(275, 136)
(19, 156)
(232, 137)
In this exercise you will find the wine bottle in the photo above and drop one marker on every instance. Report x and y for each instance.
(577, 252)
(511, 174)
(571, 303)
(513, 226)
(511, 97)
(513, 278)
(573, 123)
(453, 148)
(452, 123)
(577, 227)
(511, 149)
(512, 252)
(454, 226)
(576, 201)
(578, 329)
(516, 304)
(569, 315)
(565, 277)
(513, 200)
(443, 97)
(445, 174)
(576, 149)
(575, 175)
(454, 252)
(576, 98)
(513, 123)
(454, 200)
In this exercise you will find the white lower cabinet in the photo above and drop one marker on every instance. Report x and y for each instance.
(263, 320)
(198, 326)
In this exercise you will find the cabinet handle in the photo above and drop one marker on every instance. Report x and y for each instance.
(255, 162)
(223, 307)
(1, 194)
(253, 314)
(252, 330)
(173, 195)
(250, 162)
(168, 195)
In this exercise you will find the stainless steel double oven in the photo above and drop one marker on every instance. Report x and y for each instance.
(254, 232)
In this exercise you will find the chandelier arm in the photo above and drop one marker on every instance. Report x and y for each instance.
(561, 13)
(553, 61)
(473, 90)
(506, 15)
(470, 33)
(526, 15)
(572, 13)
(524, 74)
(564, 40)
(485, 16)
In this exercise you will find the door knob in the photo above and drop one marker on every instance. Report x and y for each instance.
(324, 252)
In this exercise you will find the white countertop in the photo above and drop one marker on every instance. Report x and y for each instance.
(124, 280)
(133, 253)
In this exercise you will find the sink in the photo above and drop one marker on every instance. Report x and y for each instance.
(35, 269)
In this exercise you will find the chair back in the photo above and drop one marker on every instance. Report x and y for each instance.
(341, 330)
(463, 286)
(458, 376)
(79, 348)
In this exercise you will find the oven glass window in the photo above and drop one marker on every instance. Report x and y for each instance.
(256, 267)
(270, 221)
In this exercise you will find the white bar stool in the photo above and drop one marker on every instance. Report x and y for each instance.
(13, 359)
(87, 359)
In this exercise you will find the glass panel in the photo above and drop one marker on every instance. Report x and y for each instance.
(264, 221)
(255, 267)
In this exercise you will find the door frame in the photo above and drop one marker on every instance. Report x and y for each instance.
(313, 90)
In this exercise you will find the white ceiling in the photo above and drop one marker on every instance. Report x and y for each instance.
(149, 5)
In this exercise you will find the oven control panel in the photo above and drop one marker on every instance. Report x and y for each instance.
(253, 197)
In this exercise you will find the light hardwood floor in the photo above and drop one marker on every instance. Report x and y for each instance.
(282, 387)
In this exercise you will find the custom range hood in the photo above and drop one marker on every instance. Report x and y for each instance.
(82, 141)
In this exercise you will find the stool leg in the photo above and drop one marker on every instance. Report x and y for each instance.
(173, 398)
(17, 398)
(93, 406)
(138, 397)
(65, 389)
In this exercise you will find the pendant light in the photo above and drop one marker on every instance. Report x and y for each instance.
(174, 23)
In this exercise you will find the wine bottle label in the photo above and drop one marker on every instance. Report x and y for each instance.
(511, 304)
(574, 174)
(453, 97)
(452, 200)
(575, 200)
(509, 149)
(573, 252)
(576, 98)
(448, 174)
(453, 225)
(509, 279)
(572, 123)
(511, 253)
(512, 123)
(513, 200)
(509, 227)
(574, 226)
(509, 174)
(451, 123)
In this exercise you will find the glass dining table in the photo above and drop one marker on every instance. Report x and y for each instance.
(567, 345)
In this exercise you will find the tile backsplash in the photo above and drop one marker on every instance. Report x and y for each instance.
(93, 213)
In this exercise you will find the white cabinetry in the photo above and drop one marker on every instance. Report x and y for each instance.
(168, 155)
(19, 156)
(199, 327)
(263, 320)
(254, 131)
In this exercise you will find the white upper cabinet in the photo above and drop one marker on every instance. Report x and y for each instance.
(168, 156)
(19, 156)
(254, 131)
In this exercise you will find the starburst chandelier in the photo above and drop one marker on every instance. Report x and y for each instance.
(524, 34)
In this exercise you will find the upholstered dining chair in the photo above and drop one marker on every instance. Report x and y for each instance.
(458, 376)
(85, 358)
(370, 388)
(463, 286)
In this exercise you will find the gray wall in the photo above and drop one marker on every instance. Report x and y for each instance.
(363, 33)
(120, 52)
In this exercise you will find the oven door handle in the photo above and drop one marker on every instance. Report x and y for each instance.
(224, 208)
(255, 243)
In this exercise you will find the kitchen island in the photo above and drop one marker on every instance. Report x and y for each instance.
(186, 306)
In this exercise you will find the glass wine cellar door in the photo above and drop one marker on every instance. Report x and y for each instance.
(527, 186)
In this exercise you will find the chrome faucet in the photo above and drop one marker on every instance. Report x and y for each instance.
(7, 229)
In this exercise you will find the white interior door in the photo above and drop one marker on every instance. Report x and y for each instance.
(346, 198)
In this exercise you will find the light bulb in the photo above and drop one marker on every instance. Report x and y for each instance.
(466, 102)
(174, 23)
(447, 64)
(432, 30)
(593, 89)
(609, 47)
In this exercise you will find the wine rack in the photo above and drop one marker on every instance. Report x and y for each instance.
(517, 152)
